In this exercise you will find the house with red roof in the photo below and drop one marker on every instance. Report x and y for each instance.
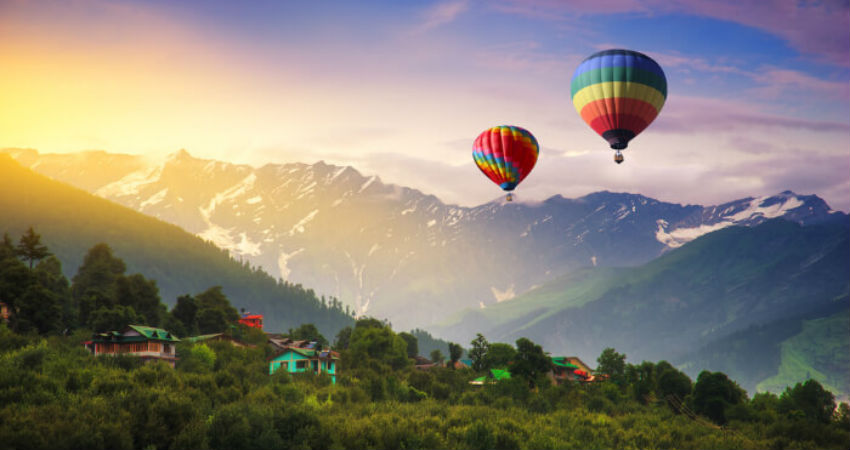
(252, 320)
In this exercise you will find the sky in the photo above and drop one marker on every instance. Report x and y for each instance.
(758, 91)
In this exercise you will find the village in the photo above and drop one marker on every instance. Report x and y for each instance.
(296, 356)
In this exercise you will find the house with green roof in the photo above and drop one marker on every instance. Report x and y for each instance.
(570, 368)
(493, 376)
(148, 343)
(217, 337)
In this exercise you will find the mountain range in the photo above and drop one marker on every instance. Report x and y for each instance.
(398, 243)
(756, 287)
(388, 250)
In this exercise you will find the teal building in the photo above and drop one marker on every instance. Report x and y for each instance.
(303, 360)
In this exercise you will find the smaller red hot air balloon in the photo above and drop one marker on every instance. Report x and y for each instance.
(506, 154)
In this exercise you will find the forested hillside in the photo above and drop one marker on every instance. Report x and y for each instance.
(764, 281)
(72, 221)
(55, 395)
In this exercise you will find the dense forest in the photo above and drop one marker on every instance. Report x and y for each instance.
(55, 394)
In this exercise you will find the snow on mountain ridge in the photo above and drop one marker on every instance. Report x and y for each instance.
(753, 213)
(154, 199)
(299, 226)
(131, 184)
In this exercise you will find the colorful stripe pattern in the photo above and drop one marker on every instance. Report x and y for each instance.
(506, 154)
(618, 93)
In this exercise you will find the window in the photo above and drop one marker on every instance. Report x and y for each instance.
(301, 365)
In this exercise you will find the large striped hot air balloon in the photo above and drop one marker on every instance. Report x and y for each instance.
(618, 93)
(506, 154)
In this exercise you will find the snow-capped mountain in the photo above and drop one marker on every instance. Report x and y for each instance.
(803, 209)
(395, 252)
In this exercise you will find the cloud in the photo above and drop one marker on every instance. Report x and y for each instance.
(690, 64)
(776, 82)
(525, 57)
(441, 14)
(705, 115)
(814, 27)
(772, 82)
(558, 9)
(819, 28)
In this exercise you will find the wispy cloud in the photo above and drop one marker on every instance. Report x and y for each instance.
(818, 28)
(707, 115)
(777, 82)
(525, 57)
(559, 9)
(441, 14)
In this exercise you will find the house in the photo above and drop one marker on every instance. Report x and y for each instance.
(252, 320)
(570, 368)
(493, 376)
(217, 337)
(423, 363)
(148, 343)
(305, 360)
(279, 343)
(460, 364)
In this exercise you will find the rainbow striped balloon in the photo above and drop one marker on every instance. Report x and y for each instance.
(506, 154)
(618, 93)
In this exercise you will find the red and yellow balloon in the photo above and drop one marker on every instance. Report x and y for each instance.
(505, 154)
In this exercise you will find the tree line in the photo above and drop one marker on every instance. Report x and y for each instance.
(100, 297)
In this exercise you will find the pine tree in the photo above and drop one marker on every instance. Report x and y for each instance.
(7, 249)
(478, 351)
(30, 247)
(455, 352)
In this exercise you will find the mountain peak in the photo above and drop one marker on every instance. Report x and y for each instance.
(179, 155)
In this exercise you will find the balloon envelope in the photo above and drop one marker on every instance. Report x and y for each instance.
(505, 154)
(618, 93)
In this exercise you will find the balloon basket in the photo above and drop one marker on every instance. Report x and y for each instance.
(618, 157)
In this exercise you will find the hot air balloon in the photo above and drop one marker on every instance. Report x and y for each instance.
(618, 93)
(506, 154)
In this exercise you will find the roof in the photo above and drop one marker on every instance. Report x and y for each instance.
(308, 353)
(494, 376)
(570, 362)
(145, 333)
(202, 337)
(252, 316)
(500, 374)
(421, 360)
(154, 333)
(304, 351)
(561, 361)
